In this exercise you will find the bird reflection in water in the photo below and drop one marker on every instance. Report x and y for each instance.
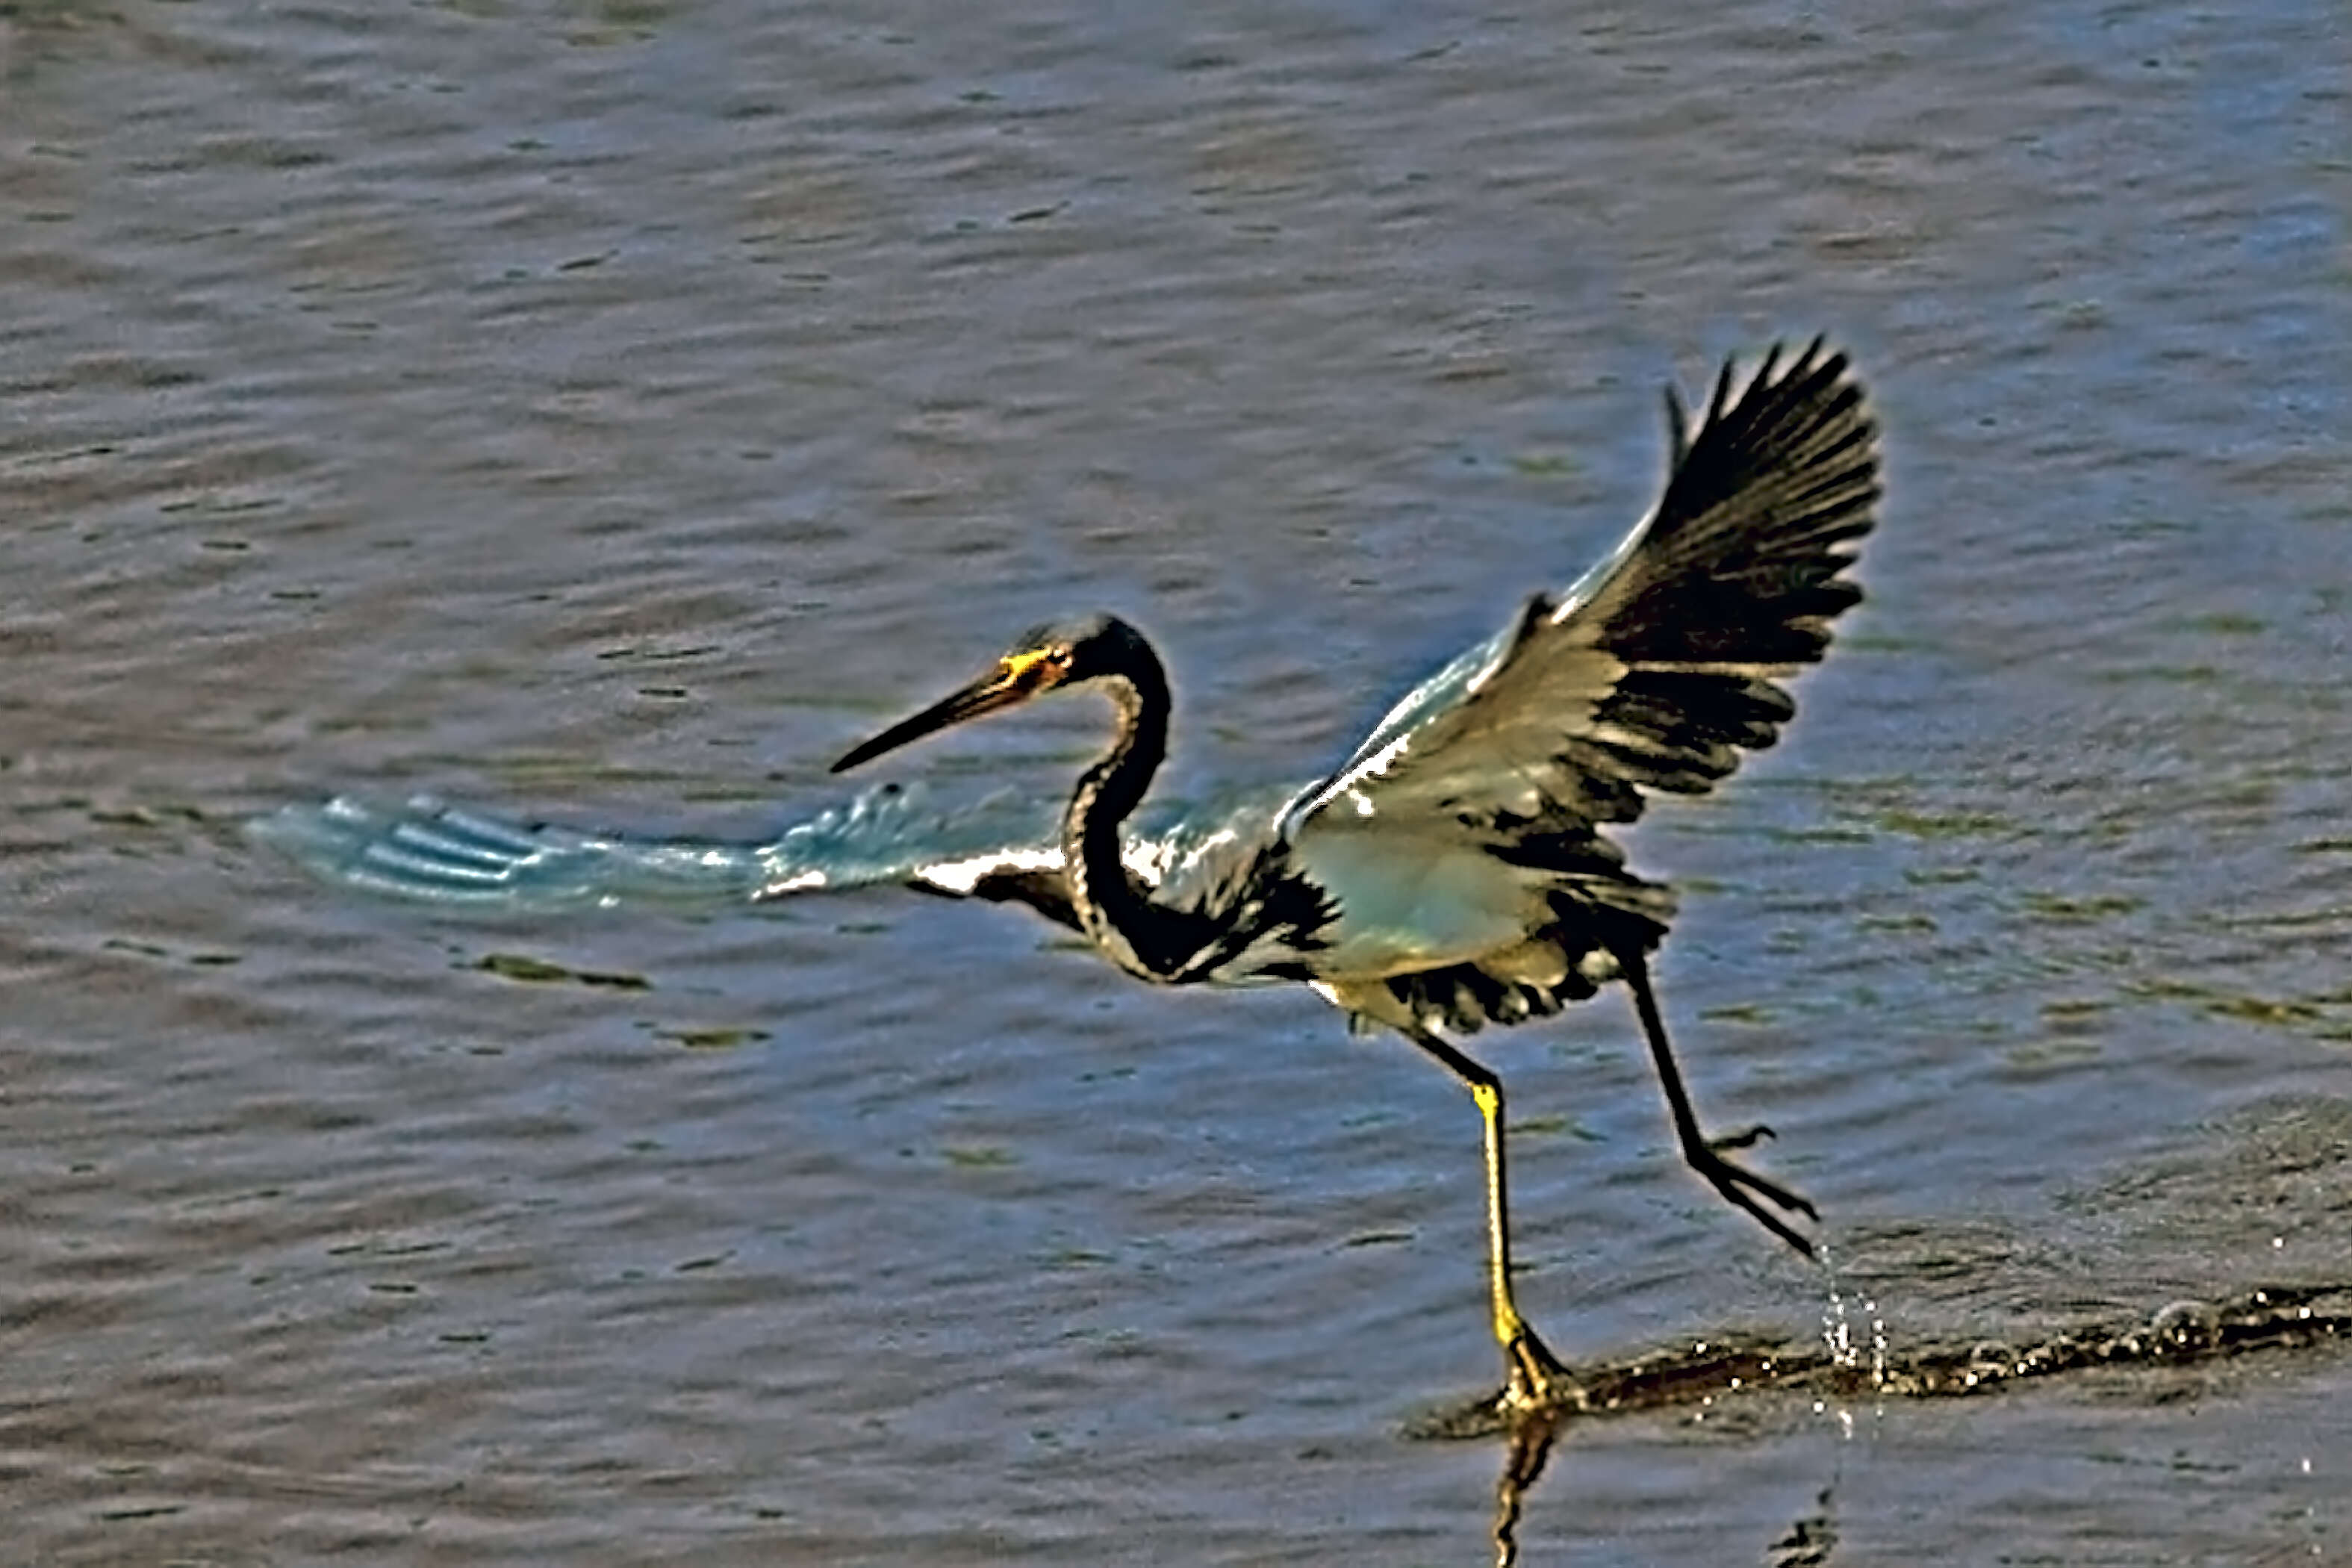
(1528, 1439)
(1452, 873)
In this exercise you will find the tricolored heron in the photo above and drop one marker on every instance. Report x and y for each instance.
(1452, 872)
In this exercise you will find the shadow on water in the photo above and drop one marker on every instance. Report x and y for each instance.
(2269, 1320)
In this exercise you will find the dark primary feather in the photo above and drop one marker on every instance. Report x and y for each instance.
(1657, 667)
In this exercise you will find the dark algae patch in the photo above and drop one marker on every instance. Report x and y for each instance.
(529, 971)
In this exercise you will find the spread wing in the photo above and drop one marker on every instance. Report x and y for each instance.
(1657, 667)
(1001, 847)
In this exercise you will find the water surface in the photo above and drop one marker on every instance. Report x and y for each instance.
(612, 411)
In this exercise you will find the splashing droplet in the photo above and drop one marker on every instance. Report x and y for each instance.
(2186, 1326)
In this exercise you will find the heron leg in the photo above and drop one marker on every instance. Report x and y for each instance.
(1704, 1155)
(1539, 1379)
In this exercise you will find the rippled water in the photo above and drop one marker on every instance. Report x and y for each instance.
(610, 410)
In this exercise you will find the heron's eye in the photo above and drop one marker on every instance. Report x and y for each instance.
(1037, 667)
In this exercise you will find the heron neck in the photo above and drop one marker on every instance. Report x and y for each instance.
(1111, 905)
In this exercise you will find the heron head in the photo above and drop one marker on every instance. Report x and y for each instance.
(1062, 652)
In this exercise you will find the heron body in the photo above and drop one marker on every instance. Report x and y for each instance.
(1452, 872)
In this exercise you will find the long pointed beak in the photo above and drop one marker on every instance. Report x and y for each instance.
(998, 688)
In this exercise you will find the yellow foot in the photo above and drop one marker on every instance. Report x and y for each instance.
(1539, 1393)
(1540, 1383)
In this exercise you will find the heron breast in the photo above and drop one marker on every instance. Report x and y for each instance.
(1421, 905)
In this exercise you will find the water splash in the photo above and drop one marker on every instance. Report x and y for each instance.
(1838, 1332)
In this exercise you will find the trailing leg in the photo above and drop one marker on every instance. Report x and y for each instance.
(1704, 1155)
